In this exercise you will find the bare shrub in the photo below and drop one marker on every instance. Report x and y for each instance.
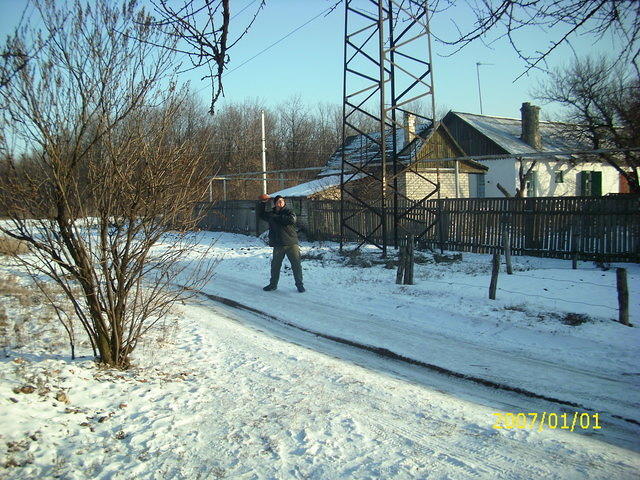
(106, 176)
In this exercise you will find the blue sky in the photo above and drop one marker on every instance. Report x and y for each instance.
(309, 62)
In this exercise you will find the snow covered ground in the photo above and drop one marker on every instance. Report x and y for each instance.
(224, 392)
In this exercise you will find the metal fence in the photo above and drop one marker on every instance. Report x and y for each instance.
(599, 228)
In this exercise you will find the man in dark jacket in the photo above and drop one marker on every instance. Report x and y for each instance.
(283, 238)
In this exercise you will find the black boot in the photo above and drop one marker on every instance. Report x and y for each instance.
(269, 288)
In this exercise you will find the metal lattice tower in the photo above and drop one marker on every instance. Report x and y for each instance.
(387, 69)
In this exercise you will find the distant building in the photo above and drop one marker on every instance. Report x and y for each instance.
(552, 176)
(418, 175)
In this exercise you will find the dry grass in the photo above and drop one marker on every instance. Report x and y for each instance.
(23, 304)
(12, 247)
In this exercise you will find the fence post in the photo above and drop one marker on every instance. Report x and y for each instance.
(506, 244)
(530, 240)
(257, 217)
(575, 239)
(408, 272)
(494, 275)
(440, 226)
(401, 261)
(623, 296)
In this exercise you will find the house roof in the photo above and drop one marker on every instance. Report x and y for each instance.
(412, 152)
(315, 186)
(361, 149)
(505, 132)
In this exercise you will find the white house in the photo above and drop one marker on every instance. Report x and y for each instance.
(418, 146)
(555, 175)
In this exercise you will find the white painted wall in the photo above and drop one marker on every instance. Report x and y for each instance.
(505, 172)
(502, 171)
(548, 187)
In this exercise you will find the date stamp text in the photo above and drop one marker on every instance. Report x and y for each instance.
(539, 421)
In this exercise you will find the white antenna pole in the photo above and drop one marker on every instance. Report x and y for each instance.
(479, 89)
(264, 157)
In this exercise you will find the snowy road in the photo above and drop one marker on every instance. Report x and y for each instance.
(229, 393)
(227, 399)
(571, 384)
(261, 407)
(569, 375)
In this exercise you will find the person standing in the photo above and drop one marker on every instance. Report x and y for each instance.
(283, 238)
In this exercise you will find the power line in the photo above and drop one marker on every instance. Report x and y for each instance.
(246, 6)
(326, 10)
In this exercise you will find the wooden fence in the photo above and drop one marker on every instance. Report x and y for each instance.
(600, 228)
(237, 216)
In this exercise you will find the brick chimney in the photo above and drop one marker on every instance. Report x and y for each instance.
(531, 125)
(409, 122)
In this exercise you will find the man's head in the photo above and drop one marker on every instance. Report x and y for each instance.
(278, 202)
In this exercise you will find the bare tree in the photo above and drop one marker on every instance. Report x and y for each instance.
(570, 18)
(200, 29)
(602, 108)
(108, 176)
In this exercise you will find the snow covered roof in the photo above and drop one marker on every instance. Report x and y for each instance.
(555, 136)
(315, 186)
(361, 149)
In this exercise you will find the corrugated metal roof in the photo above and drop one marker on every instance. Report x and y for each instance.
(315, 186)
(555, 137)
(361, 149)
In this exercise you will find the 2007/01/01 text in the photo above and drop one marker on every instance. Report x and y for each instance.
(533, 421)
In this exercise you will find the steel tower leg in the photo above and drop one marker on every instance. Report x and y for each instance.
(397, 71)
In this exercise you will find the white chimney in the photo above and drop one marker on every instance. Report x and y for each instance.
(409, 122)
(531, 125)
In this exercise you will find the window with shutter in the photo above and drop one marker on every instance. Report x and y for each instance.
(591, 184)
(532, 184)
(585, 184)
(596, 184)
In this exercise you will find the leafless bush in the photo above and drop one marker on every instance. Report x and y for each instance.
(101, 178)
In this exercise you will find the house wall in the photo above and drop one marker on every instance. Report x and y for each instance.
(570, 186)
(416, 188)
(439, 145)
(410, 184)
(504, 172)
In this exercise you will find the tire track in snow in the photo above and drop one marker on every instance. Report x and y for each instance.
(384, 352)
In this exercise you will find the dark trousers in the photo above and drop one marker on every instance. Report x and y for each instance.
(293, 254)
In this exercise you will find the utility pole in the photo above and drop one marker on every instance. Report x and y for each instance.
(264, 157)
(479, 89)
